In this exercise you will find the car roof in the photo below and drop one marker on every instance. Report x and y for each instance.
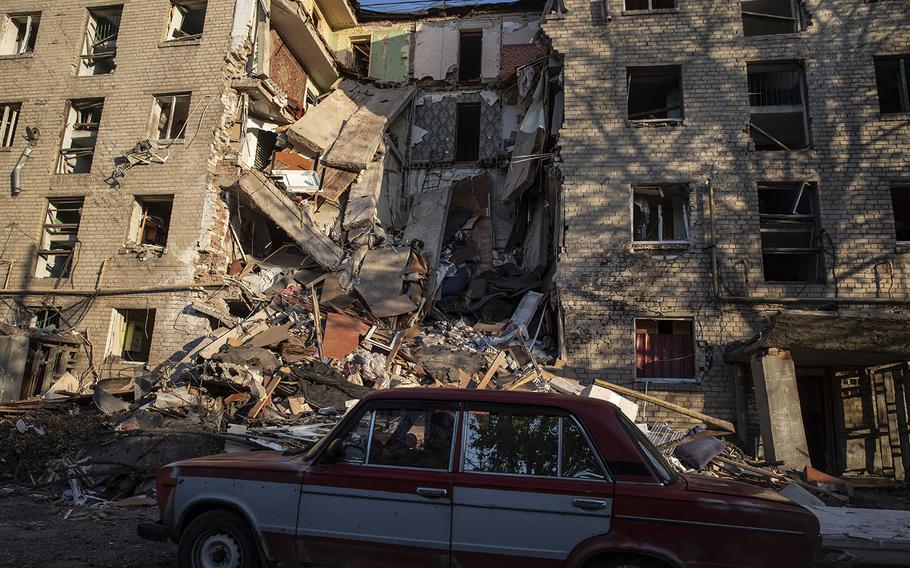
(573, 403)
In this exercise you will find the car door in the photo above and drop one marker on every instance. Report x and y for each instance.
(380, 495)
(529, 486)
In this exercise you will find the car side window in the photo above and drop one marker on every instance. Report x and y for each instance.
(527, 443)
(401, 437)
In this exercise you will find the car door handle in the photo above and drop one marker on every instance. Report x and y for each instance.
(589, 504)
(431, 492)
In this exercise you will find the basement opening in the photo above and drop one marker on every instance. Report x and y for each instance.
(151, 220)
(770, 17)
(99, 48)
(660, 214)
(187, 19)
(467, 132)
(892, 74)
(664, 350)
(18, 33)
(78, 147)
(778, 119)
(655, 94)
(130, 336)
(470, 55)
(900, 204)
(790, 233)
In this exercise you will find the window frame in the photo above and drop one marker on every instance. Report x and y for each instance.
(559, 413)
(89, 46)
(656, 70)
(72, 126)
(650, 8)
(893, 188)
(30, 37)
(665, 380)
(157, 112)
(687, 221)
(768, 67)
(140, 210)
(903, 60)
(177, 6)
(804, 219)
(45, 253)
(795, 10)
(9, 123)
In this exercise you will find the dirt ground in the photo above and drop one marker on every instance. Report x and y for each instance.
(35, 534)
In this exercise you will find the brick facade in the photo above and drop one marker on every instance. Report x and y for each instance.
(855, 152)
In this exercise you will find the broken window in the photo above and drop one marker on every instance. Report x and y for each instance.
(892, 74)
(650, 4)
(664, 349)
(78, 148)
(470, 54)
(131, 334)
(18, 33)
(655, 94)
(660, 214)
(467, 132)
(99, 48)
(778, 119)
(900, 204)
(769, 17)
(360, 48)
(59, 237)
(790, 236)
(151, 220)
(187, 19)
(9, 118)
(45, 317)
(170, 116)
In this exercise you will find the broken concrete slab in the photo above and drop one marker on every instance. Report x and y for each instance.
(629, 408)
(273, 203)
(363, 199)
(779, 412)
(382, 275)
(799, 495)
(256, 357)
(427, 220)
(317, 130)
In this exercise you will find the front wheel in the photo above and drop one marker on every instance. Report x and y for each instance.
(218, 539)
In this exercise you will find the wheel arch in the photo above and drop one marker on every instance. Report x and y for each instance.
(592, 560)
(201, 506)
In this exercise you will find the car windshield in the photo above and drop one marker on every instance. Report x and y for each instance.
(658, 462)
(311, 453)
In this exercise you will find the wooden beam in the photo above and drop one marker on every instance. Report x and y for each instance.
(723, 424)
(260, 404)
(494, 366)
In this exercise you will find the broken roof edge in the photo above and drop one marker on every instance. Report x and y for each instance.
(366, 15)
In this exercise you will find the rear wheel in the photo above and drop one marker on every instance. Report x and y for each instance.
(218, 539)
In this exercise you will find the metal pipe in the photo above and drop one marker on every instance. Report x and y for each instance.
(111, 291)
(15, 176)
(715, 282)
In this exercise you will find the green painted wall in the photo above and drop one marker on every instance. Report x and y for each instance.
(390, 52)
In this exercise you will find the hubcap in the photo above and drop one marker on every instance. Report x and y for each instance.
(218, 550)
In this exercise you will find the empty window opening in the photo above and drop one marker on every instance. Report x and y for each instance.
(187, 19)
(470, 55)
(467, 132)
(170, 116)
(45, 317)
(650, 4)
(664, 349)
(78, 148)
(769, 17)
(131, 334)
(151, 220)
(99, 49)
(790, 236)
(59, 237)
(655, 94)
(892, 74)
(660, 214)
(360, 49)
(900, 203)
(9, 118)
(778, 119)
(18, 33)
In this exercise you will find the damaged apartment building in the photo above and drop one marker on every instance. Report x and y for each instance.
(736, 190)
(175, 161)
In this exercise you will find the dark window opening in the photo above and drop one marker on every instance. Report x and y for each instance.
(131, 334)
(470, 55)
(778, 119)
(790, 235)
(467, 132)
(655, 94)
(151, 220)
(266, 143)
(664, 349)
(59, 237)
(45, 317)
(900, 204)
(650, 4)
(170, 116)
(9, 119)
(78, 148)
(19, 33)
(769, 17)
(660, 214)
(892, 74)
(99, 48)
(187, 19)
(361, 56)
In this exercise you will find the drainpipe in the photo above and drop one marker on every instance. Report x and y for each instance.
(15, 176)
(715, 280)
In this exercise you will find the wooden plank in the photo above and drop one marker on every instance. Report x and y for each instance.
(527, 378)
(723, 424)
(334, 182)
(260, 404)
(494, 366)
(317, 321)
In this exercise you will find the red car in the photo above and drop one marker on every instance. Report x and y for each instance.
(468, 478)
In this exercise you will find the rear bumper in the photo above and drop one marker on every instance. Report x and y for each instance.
(153, 531)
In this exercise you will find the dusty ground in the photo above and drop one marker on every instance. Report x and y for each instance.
(34, 534)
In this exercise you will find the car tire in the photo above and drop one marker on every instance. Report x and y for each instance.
(626, 562)
(218, 539)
